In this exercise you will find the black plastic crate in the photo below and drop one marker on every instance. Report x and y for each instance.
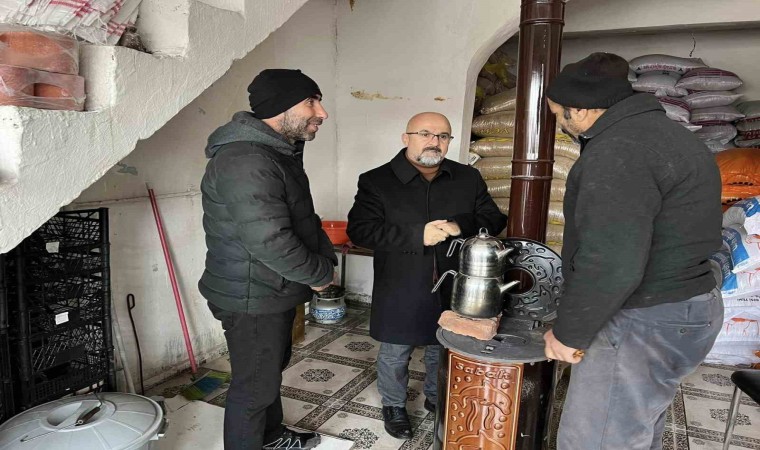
(68, 231)
(41, 268)
(55, 305)
(7, 409)
(62, 362)
(58, 286)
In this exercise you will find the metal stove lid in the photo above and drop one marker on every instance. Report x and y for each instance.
(515, 342)
(124, 422)
(545, 267)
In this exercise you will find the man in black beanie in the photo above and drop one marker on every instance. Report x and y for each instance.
(266, 249)
(643, 216)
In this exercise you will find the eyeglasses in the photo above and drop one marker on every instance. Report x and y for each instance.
(443, 137)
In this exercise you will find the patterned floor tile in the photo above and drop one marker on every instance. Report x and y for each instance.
(706, 418)
(674, 441)
(710, 379)
(318, 376)
(295, 410)
(369, 396)
(353, 346)
(415, 398)
(365, 432)
(358, 384)
(700, 439)
(701, 444)
(327, 336)
(417, 361)
(312, 333)
(331, 385)
(364, 325)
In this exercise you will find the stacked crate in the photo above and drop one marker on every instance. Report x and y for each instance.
(58, 286)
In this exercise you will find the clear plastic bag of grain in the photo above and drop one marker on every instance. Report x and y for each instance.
(554, 233)
(504, 146)
(502, 188)
(496, 168)
(503, 101)
(499, 188)
(492, 147)
(500, 124)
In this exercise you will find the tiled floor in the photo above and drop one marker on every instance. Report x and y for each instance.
(331, 386)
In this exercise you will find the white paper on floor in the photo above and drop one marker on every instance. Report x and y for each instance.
(199, 425)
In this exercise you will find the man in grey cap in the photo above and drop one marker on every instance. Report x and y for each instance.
(266, 249)
(643, 216)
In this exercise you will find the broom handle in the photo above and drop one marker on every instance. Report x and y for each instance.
(173, 279)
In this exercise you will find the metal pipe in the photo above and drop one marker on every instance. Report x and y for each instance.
(541, 23)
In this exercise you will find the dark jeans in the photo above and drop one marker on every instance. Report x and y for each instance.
(619, 394)
(260, 349)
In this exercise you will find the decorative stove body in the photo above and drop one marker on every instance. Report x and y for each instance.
(496, 394)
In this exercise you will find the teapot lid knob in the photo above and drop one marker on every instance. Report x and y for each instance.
(483, 232)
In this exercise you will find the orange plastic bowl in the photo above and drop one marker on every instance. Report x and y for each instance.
(336, 231)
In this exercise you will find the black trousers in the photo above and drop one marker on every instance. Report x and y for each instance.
(260, 346)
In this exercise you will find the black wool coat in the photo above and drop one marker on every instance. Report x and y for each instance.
(391, 208)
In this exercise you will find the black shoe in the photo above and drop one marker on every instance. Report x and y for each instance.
(294, 440)
(397, 422)
(430, 406)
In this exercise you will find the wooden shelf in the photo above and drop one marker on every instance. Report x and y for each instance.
(687, 28)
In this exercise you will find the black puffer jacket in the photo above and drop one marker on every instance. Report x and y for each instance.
(265, 244)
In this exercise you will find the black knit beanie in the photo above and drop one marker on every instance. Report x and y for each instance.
(276, 90)
(596, 82)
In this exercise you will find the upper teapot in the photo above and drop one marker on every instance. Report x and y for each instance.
(481, 255)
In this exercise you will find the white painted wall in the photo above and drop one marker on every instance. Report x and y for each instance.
(172, 161)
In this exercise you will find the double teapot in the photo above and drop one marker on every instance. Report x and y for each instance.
(479, 285)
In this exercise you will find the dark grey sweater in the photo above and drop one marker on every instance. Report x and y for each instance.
(643, 215)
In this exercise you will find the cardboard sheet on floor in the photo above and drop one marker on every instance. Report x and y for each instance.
(199, 425)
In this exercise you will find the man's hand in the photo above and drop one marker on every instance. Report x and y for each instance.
(450, 227)
(320, 288)
(554, 349)
(434, 235)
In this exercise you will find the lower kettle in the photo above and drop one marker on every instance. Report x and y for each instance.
(477, 297)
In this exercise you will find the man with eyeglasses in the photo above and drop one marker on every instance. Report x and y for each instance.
(406, 211)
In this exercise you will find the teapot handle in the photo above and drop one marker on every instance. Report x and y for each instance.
(440, 280)
(453, 247)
